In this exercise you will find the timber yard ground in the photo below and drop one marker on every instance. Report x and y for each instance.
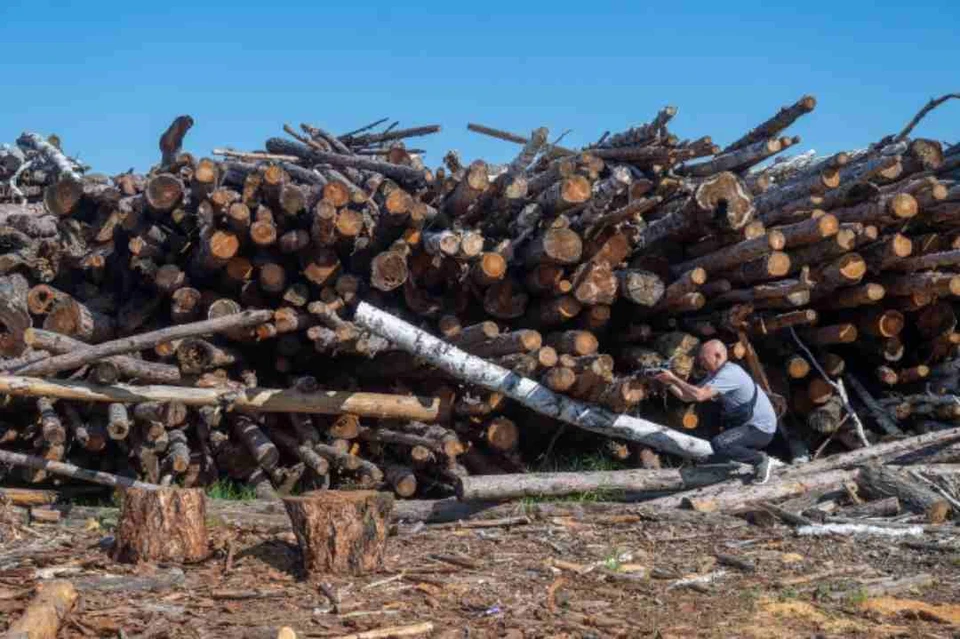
(581, 572)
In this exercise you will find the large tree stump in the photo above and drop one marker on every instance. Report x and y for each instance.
(341, 532)
(167, 524)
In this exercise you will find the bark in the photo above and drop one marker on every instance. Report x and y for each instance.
(554, 246)
(340, 532)
(769, 128)
(851, 297)
(50, 606)
(849, 237)
(932, 283)
(767, 324)
(809, 231)
(162, 525)
(69, 470)
(14, 314)
(730, 256)
(772, 266)
(880, 416)
(846, 270)
(886, 507)
(519, 341)
(887, 210)
(835, 334)
(737, 159)
(708, 500)
(722, 199)
(503, 487)
(527, 392)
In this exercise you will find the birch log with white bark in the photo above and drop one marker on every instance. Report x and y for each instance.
(526, 391)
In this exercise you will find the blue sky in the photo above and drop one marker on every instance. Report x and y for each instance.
(109, 76)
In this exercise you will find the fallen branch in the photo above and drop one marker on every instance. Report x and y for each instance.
(69, 470)
(42, 618)
(414, 630)
(76, 359)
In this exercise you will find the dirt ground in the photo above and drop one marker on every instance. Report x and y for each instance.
(608, 575)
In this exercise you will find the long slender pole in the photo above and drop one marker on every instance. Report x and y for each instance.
(69, 470)
(526, 391)
(268, 400)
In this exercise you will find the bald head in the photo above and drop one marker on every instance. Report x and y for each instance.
(713, 355)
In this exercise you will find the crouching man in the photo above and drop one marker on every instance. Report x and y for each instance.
(748, 417)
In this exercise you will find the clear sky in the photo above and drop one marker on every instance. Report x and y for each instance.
(108, 77)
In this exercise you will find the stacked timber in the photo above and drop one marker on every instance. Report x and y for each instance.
(231, 284)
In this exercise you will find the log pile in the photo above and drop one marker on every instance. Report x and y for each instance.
(186, 324)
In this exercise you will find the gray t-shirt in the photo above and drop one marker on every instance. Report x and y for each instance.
(736, 389)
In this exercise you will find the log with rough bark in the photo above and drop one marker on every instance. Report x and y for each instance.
(51, 605)
(14, 314)
(881, 481)
(721, 199)
(340, 532)
(162, 525)
(529, 393)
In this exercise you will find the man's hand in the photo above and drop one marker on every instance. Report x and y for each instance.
(667, 377)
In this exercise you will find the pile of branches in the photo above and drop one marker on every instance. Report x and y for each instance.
(582, 269)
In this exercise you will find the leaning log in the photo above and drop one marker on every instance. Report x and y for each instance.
(526, 391)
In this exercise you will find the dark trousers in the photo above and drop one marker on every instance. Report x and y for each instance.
(743, 444)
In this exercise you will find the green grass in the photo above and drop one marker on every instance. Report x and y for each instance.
(226, 489)
(788, 593)
(588, 497)
(586, 462)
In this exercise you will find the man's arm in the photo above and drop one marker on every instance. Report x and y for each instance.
(685, 391)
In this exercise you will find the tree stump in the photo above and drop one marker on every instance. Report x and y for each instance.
(341, 532)
(168, 524)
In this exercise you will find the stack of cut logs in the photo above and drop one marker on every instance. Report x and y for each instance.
(832, 281)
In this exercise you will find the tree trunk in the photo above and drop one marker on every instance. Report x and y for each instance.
(340, 532)
(917, 497)
(162, 525)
